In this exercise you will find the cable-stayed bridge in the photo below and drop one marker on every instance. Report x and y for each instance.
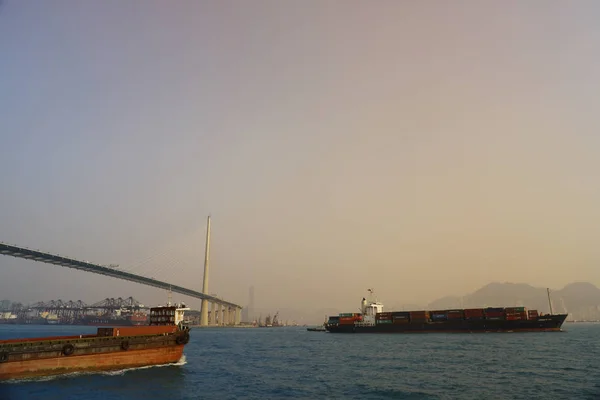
(229, 313)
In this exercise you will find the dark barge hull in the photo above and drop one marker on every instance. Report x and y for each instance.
(550, 323)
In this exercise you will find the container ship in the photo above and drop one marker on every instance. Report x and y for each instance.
(372, 319)
(114, 348)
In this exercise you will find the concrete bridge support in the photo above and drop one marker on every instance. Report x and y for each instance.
(227, 316)
(213, 321)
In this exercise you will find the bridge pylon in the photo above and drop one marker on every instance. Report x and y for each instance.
(204, 308)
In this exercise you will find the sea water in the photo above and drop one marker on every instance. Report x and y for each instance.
(292, 363)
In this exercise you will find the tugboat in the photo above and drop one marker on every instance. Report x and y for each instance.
(320, 328)
(160, 342)
(372, 319)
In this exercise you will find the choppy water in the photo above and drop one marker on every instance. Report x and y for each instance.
(291, 363)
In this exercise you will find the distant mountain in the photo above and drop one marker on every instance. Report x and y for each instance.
(580, 299)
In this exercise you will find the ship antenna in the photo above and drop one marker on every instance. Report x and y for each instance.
(169, 301)
(549, 301)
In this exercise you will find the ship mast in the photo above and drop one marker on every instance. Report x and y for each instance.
(549, 301)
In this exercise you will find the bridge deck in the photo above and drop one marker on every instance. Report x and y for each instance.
(48, 258)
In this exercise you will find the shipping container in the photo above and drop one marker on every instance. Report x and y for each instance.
(439, 317)
(346, 314)
(400, 313)
(143, 330)
(346, 322)
(455, 314)
(422, 314)
(520, 314)
(474, 312)
(515, 309)
(384, 321)
(494, 309)
(494, 318)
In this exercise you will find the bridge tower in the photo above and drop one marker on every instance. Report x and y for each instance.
(204, 308)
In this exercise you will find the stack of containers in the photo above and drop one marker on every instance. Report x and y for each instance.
(349, 318)
(333, 320)
(532, 314)
(494, 313)
(419, 316)
(346, 321)
(455, 314)
(437, 316)
(383, 318)
(474, 313)
(400, 317)
(515, 313)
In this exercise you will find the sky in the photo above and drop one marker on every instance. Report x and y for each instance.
(422, 149)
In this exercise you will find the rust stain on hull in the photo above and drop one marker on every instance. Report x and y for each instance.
(90, 362)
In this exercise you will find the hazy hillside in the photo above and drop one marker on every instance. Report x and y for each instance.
(581, 299)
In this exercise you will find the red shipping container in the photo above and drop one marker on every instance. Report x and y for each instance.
(494, 313)
(455, 314)
(474, 312)
(422, 314)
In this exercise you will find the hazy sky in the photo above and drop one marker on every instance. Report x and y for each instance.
(421, 148)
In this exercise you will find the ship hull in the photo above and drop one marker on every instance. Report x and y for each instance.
(90, 363)
(551, 323)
